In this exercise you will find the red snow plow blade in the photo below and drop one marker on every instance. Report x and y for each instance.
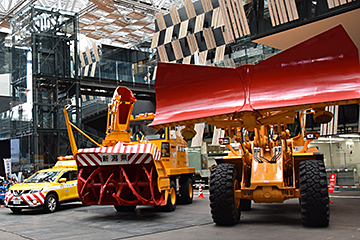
(123, 175)
(323, 69)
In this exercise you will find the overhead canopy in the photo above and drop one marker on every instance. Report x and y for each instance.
(323, 69)
(288, 38)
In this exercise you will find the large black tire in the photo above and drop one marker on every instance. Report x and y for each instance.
(16, 210)
(171, 202)
(245, 204)
(225, 209)
(51, 203)
(314, 196)
(186, 190)
(125, 208)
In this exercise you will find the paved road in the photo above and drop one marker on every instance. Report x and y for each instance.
(264, 221)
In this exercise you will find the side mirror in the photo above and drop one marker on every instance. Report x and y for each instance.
(62, 180)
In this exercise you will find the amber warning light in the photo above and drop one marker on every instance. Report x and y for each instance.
(224, 141)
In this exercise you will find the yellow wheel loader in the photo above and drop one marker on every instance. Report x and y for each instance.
(261, 107)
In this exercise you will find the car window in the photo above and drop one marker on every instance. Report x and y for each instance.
(73, 175)
(65, 175)
(70, 175)
(40, 177)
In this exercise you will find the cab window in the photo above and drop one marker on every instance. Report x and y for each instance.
(165, 149)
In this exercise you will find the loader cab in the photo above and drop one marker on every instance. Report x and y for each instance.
(295, 127)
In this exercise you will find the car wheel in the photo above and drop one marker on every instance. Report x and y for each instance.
(51, 203)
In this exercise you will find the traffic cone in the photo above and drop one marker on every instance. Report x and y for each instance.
(201, 195)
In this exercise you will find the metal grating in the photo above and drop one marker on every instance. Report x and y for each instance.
(123, 23)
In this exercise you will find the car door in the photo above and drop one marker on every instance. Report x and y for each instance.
(68, 189)
(73, 192)
(61, 189)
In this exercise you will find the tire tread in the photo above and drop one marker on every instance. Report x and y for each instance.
(222, 200)
(314, 195)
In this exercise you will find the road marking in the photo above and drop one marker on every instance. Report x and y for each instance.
(344, 196)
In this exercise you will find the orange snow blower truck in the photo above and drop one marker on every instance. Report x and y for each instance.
(127, 173)
(261, 107)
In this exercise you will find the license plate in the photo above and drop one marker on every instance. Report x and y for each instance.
(16, 202)
(114, 159)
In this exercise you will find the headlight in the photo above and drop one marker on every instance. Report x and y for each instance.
(35, 190)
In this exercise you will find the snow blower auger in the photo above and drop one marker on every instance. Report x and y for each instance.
(120, 172)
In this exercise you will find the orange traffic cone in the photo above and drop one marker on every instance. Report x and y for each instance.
(201, 195)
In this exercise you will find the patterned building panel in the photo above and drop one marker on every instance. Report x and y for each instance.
(201, 26)
(202, 57)
(336, 3)
(209, 38)
(177, 49)
(187, 60)
(199, 22)
(228, 32)
(88, 54)
(168, 34)
(174, 15)
(183, 29)
(192, 43)
(155, 40)
(82, 60)
(89, 61)
(216, 18)
(162, 53)
(219, 54)
(170, 52)
(233, 19)
(160, 21)
(207, 5)
(189, 7)
(282, 11)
